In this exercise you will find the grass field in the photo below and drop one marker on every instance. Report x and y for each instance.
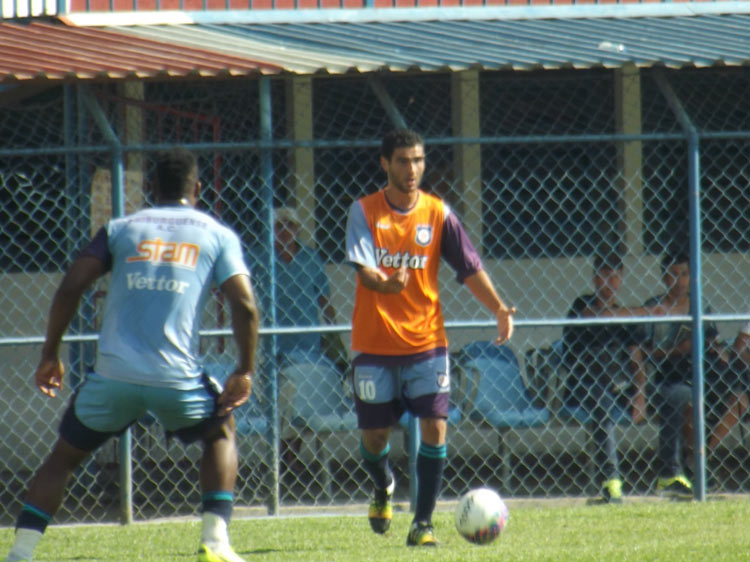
(717, 530)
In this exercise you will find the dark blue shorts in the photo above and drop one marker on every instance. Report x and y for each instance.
(383, 393)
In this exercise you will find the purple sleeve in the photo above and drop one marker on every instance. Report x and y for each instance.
(458, 250)
(99, 248)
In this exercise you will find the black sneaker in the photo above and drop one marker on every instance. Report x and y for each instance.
(381, 509)
(421, 534)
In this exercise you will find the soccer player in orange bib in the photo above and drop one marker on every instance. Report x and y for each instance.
(395, 239)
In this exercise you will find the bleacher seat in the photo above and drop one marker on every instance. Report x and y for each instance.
(496, 395)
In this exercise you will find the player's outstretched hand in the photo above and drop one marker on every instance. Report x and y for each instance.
(49, 376)
(504, 324)
(236, 392)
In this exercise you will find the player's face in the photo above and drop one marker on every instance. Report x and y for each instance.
(286, 234)
(677, 279)
(607, 282)
(405, 168)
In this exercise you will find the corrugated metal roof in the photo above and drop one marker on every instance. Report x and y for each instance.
(338, 44)
(336, 48)
(43, 51)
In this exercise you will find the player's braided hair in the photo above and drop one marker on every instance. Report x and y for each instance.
(176, 171)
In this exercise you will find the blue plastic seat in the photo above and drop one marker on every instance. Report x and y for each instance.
(583, 416)
(318, 403)
(496, 393)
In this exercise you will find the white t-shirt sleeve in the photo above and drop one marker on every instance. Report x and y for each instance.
(360, 247)
(230, 261)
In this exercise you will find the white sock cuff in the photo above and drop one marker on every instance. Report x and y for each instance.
(24, 544)
(214, 529)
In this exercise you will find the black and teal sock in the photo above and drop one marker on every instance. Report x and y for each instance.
(377, 466)
(219, 503)
(33, 518)
(430, 466)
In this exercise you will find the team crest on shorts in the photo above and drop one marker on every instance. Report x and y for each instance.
(424, 234)
(443, 380)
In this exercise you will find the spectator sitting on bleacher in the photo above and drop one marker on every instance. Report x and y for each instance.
(598, 356)
(739, 400)
(669, 347)
(302, 299)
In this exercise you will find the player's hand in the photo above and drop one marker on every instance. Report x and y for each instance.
(658, 310)
(49, 376)
(397, 281)
(236, 392)
(639, 408)
(504, 318)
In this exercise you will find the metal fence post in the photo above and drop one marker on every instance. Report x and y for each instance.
(267, 177)
(118, 210)
(696, 290)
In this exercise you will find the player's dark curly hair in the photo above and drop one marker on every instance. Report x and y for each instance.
(608, 256)
(400, 138)
(610, 260)
(674, 256)
(176, 171)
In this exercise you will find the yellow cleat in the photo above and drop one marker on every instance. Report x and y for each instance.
(218, 553)
(421, 534)
(677, 487)
(381, 509)
(612, 491)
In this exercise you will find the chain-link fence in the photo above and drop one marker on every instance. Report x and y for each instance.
(546, 170)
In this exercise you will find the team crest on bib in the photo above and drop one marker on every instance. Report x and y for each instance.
(424, 234)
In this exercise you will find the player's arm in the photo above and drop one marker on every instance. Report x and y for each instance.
(741, 347)
(329, 313)
(638, 369)
(81, 275)
(458, 250)
(738, 401)
(360, 252)
(483, 290)
(629, 311)
(376, 280)
(239, 293)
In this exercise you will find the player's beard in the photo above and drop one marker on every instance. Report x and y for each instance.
(404, 187)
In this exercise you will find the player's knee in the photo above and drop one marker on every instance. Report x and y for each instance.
(433, 430)
(222, 431)
(375, 440)
(65, 457)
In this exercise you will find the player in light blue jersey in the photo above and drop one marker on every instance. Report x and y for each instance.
(162, 264)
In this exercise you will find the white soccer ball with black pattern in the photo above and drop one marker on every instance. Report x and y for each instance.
(481, 515)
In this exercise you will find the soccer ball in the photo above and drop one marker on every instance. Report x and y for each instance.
(481, 515)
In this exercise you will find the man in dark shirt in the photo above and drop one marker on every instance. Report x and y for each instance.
(604, 361)
(669, 348)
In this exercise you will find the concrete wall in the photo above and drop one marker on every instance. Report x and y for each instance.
(538, 288)
(545, 288)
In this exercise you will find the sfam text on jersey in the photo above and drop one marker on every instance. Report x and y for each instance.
(159, 251)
